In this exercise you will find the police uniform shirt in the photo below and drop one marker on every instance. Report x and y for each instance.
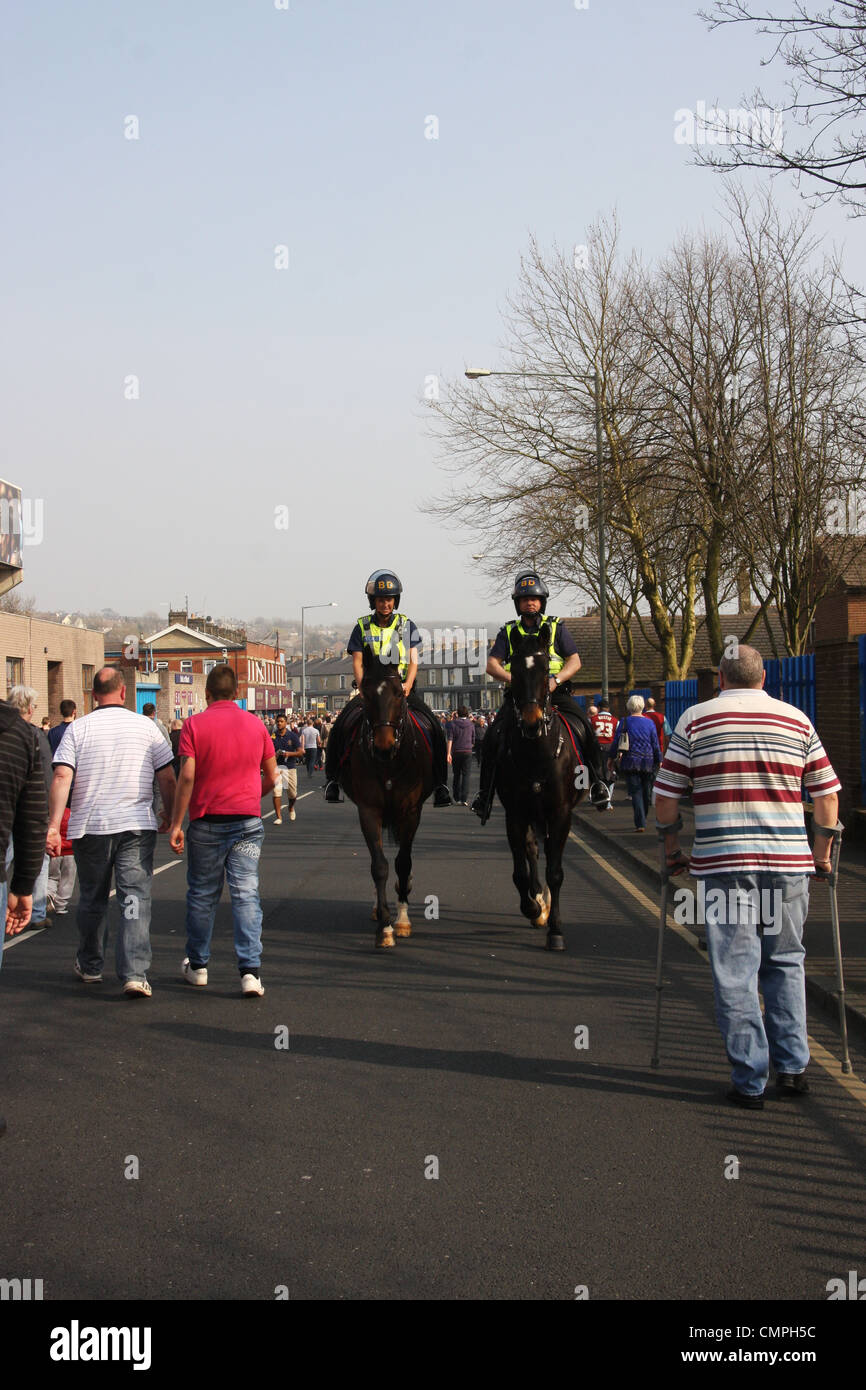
(563, 643)
(411, 635)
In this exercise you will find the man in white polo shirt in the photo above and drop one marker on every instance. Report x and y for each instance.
(114, 755)
(746, 757)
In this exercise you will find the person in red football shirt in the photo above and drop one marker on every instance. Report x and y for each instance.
(604, 724)
(650, 712)
(227, 766)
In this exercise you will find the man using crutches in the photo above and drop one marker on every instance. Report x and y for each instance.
(746, 757)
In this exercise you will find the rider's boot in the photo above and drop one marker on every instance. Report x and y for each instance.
(482, 802)
(442, 796)
(599, 795)
(332, 791)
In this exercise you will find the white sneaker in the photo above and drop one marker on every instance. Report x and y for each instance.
(292, 815)
(278, 820)
(192, 975)
(251, 985)
(137, 989)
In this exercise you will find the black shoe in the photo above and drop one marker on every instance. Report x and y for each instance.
(747, 1102)
(791, 1085)
(332, 791)
(442, 796)
(480, 807)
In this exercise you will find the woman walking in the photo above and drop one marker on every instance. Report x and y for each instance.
(637, 742)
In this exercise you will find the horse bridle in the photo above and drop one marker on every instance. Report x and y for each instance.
(399, 729)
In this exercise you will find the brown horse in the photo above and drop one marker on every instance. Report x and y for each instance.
(388, 773)
(539, 780)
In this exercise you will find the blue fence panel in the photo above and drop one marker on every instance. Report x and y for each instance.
(773, 683)
(861, 643)
(679, 695)
(793, 680)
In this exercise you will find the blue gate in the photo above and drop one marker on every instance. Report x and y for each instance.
(793, 679)
(145, 695)
(679, 695)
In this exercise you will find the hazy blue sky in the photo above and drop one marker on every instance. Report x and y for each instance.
(261, 388)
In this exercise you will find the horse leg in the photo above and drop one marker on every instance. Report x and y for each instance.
(371, 825)
(535, 892)
(403, 866)
(517, 838)
(553, 849)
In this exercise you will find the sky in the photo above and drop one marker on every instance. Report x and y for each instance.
(194, 419)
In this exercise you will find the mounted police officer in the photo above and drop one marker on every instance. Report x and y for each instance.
(394, 638)
(530, 601)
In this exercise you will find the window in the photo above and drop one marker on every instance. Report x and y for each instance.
(87, 673)
(342, 682)
(207, 666)
(186, 665)
(14, 672)
(431, 677)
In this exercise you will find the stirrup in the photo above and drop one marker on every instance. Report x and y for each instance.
(336, 788)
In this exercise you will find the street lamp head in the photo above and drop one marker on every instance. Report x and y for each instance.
(474, 373)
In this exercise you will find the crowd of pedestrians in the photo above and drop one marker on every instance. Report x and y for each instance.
(89, 795)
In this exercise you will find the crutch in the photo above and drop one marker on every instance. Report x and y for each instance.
(832, 880)
(667, 871)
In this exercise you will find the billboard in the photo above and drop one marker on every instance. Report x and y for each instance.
(11, 572)
(10, 526)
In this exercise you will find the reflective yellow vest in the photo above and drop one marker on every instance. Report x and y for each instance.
(390, 638)
(556, 662)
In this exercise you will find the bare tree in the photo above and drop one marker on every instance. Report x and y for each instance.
(824, 51)
(806, 420)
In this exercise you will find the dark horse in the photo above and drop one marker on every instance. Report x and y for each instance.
(388, 773)
(540, 780)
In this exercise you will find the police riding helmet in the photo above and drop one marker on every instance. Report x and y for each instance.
(383, 584)
(528, 585)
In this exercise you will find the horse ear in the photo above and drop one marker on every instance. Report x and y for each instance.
(544, 635)
(366, 657)
(516, 640)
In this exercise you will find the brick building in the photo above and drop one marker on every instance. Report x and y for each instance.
(56, 659)
(195, 646)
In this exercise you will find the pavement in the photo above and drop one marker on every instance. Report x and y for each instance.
(467, 1116)
(616, 832)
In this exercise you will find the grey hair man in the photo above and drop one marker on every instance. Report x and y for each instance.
(746, 758)
(26, 700)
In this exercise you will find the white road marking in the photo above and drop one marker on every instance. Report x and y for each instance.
(820, 1055)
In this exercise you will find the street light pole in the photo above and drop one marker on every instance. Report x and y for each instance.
(473, 374)
(306, 609)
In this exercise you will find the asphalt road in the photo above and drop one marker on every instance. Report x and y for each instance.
(264, 1167)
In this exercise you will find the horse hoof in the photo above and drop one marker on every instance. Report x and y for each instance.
(556, 943)
(403, 929)
(385, 937)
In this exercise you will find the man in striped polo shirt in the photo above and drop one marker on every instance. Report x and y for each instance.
(114, 755)
(746, 757)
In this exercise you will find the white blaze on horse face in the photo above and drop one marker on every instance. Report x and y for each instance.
(530, 662)
(380, 689)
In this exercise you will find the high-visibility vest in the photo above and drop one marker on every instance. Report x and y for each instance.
(555, 661)
(389, 639)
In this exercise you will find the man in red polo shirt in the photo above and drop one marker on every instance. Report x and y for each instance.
(227, 766)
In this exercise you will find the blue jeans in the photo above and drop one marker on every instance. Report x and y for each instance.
(639, 786)
(230, 850)
(310, 757)
(128, 854)
(742, 960)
